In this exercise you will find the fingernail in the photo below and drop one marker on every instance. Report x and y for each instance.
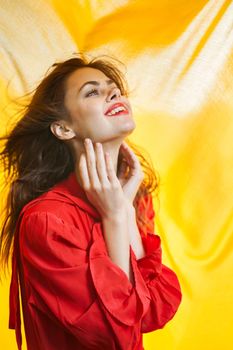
(87, 141)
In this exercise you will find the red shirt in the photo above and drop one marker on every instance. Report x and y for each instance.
(73, 295)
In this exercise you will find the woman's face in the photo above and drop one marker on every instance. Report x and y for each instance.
(89, 95)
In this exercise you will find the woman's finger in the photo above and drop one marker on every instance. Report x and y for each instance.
(83, 171)
(130, 157)
(91, 163)
(110, 169)
(101, 164)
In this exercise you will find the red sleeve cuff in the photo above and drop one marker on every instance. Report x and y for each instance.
(127, 303)
(150, 265)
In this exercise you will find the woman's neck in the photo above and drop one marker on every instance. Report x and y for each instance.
(112, 147)
(113, 150)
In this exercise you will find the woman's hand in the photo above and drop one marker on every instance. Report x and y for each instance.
(99, 180)
(130, 173)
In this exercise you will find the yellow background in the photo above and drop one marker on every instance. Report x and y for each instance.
(179, 63)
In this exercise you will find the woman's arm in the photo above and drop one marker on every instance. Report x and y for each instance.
(115, 231)
(134, 234)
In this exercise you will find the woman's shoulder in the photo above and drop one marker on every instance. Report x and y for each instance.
(50, 217)
(54, 207)
(55, 200)
(47, 202)
(64, 202)
(51, 228)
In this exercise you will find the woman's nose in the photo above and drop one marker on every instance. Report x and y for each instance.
(114, 93)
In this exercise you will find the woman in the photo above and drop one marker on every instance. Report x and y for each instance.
(81, 217)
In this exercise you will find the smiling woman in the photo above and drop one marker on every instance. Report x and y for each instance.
(79, 217)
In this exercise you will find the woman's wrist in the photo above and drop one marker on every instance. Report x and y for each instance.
(134, 234)
(117, 216)
(126, 209)
(130, 209)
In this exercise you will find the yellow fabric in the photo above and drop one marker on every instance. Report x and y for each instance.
(179, 67)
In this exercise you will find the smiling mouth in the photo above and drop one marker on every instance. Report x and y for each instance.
(121, 110)
(117, 114)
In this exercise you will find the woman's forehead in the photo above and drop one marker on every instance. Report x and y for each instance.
(82, 75)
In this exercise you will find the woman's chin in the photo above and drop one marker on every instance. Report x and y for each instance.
(129, 126)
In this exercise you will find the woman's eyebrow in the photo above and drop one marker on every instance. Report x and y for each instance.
(94, 82)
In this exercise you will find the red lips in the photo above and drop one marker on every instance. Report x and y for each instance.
(115, 105)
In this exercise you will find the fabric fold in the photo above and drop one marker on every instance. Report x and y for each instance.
(166, 297)
(150, 265)
(162, 283)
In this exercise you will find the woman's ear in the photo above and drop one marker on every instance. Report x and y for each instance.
(62, 131)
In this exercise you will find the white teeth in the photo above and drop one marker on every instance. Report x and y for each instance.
(116, 110)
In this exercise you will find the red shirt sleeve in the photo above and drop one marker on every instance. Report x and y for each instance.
(79, 286)
(162, 282)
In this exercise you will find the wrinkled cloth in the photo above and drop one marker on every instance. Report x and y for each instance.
(73, 295)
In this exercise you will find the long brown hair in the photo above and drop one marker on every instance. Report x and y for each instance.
(34, 160)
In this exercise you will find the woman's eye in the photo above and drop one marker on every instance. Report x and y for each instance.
(92, 92)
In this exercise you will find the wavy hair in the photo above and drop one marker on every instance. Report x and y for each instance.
(34, 160)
